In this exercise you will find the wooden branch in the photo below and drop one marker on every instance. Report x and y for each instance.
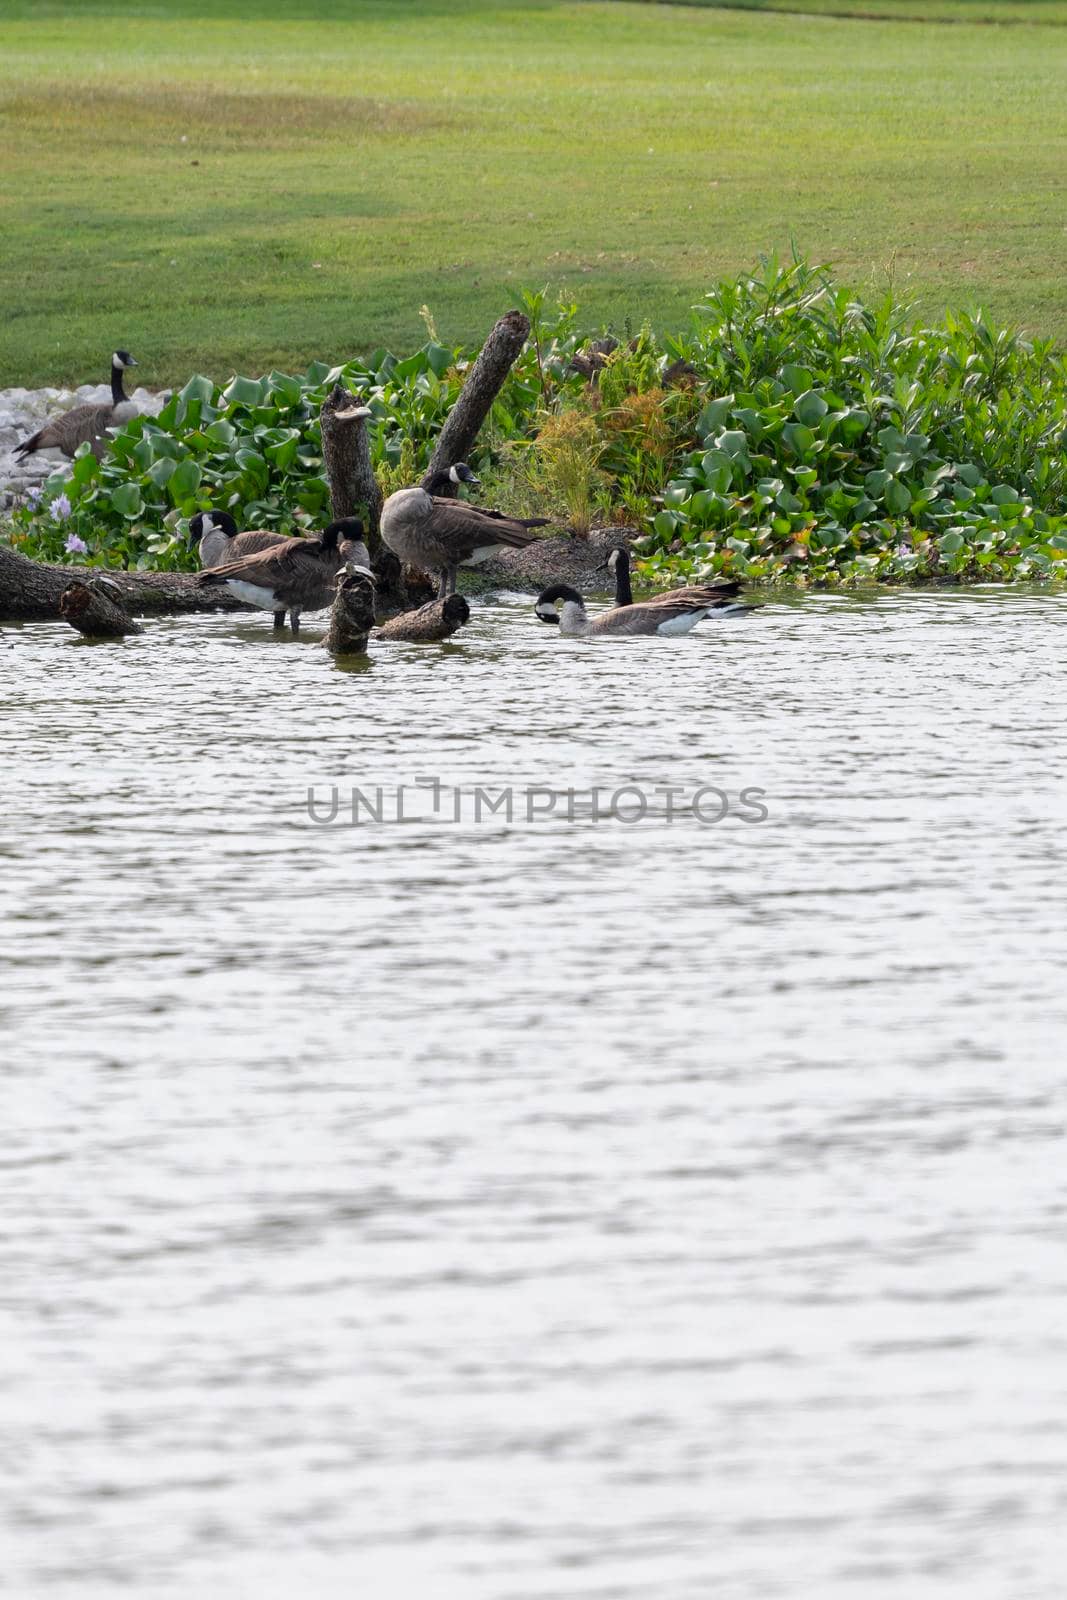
(430, 623)
(352, 617)
(484, 380)
(94, 606)
(354, 489)
(30, 591)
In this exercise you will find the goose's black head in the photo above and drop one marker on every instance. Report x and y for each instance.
(618, 559)
(456, 609)
(122, 358)
(460, 473)
(207, 521)
(545, 606)
(344, 528)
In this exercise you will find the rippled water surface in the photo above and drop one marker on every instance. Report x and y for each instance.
(633, 1210)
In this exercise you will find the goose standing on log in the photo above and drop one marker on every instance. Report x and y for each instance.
(618, 564)
(673, 613)
(437, 534)
(87, 422)
(297, 575)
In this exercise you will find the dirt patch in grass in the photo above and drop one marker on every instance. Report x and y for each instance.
(108, 114)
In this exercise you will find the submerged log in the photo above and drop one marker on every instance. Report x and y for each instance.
(30, 591)
(483, 383)
(94, 606)
(352, 617)
(354, 489)
(430, 623)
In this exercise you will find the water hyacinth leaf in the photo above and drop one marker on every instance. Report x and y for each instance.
(184, 481)
(85, 468)
(438, 358)
(665, 524)
(126, 500)
(751, 421)
(798, 379)
(734, 442)
(284, 389)
(788, 502)
(798, 438)
(198, 388)
(220, 431)
(244, 392)
(852, 422)
(968, 473)
(897, 497)
(162, 471)
(810, 408)
(1003, 495)
(950, 542)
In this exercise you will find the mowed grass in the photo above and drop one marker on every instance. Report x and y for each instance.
(247, 183)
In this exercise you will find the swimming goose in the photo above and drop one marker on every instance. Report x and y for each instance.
(296, 575)
(672, 613)
(618, 564)
(429, 624)
(72, 428)
(436, 534)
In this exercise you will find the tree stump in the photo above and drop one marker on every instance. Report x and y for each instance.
(483, 383)
(352, 617)
(94, 606)
(346, 456)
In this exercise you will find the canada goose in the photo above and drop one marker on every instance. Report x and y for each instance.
(436, 534)
(296, 575)
(672, 613)
(618, 564)
(72, 428)
(429, 624)
(219, 543)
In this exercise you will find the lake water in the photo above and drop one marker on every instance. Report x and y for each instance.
(499, 1210)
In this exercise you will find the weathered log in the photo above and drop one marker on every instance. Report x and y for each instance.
(483, 383)
(430, 623)
(354, 489)
(352, 617)
(94, 606)
(30, 590)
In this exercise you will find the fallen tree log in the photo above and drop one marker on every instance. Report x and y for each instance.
(463, 424)
(30, 591)
(94, 606)
(430, 624)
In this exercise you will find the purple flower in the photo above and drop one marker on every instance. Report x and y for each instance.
(60, 507)
(33, 497)
(903, 549)
(74, 545)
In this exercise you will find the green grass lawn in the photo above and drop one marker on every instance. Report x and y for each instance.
(223, 184)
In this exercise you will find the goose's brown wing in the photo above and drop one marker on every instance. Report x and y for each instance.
(702, 594)
(267, 569)
(466, 528)
(255, 540)
(68, 431)
(648, 617)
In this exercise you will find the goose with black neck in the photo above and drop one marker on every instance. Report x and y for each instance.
(437, 534)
